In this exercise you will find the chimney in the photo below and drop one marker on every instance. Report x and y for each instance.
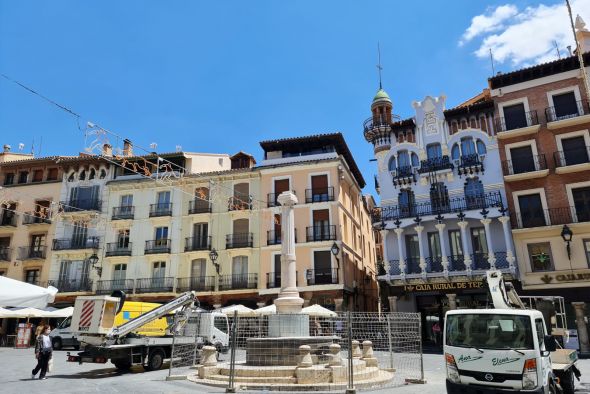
(6, 148)
(127, 148)
(107, 150)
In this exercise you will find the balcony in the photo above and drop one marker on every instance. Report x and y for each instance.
(154, 285)
(118, 249)
(273, 237)
(108, 286)
(32, 252)
(5, 253)
(30, 218)
(562, 117)
(413, 265)
(377, 129)
(76, 243)
(239, 203)
(516, 170)
(322, 277)
(434, 207)
(403, 175)
(434, 264)
(194, 244)
(456, 264)
(240, 240)
(202, 283)
(199, 206)
(8, 219)
(321, 233)
(479, 262)
(518, 126)
(237, 282)
(435, 164)
(124, 212)
(81, 205)
(572, 160)
(273, 280)
(548, 217)
(158, 246)
(71, 285)
(161, 209)
(324, 194)
(470, 164)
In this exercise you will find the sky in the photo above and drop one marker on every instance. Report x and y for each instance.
(220, 76)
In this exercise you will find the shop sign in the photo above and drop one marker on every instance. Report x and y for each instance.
(566, 277)
(444, 286)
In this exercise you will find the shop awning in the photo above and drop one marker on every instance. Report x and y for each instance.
(20, 294)
(318, 311)
(242, 310)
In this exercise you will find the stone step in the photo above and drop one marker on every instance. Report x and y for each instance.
(281, 372)
(254, 379)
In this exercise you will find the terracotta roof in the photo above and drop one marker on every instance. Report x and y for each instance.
(337, 139)
(468, 109)
(537, 71)
(34, 160)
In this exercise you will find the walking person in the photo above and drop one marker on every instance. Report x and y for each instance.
(43, 353)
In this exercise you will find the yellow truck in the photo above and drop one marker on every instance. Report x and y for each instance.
(62, 335)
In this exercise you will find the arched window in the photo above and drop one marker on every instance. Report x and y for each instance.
(483, 124)
(467, 146)
(103, 174)
(433, 151)
(439, 197)
(463, 124)
(391, 164)
(403, 159)
(415, 161)
(455, 152)
(474, 194)
(72, 177)
(83, 175)
(454, 127)
(473, 123)
(481, 147)
(92, 174)
(406, 203)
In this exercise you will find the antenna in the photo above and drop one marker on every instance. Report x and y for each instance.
(557, 49)
(21, 146)
(379, 67)
(492, 61)
(178, 148)
(569, 49)
(153, 145)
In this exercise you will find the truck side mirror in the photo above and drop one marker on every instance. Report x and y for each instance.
(550, 344)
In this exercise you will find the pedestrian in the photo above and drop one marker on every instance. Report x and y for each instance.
(43, 353)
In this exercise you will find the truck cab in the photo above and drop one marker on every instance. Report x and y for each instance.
(498, 350)
(62, 335)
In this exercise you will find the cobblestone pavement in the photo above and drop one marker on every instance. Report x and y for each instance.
(16, 365)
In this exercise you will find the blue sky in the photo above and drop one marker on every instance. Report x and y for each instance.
(221, 76)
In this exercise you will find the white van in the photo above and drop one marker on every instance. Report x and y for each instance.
(62, 336)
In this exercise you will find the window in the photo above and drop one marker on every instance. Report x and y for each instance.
(37, 246)
(514, 116)
(480, 248)
(433, 151)
(92, 174)
(22, 176)
(565, 105)
(586, 250)
(103, 174)
(32, 276)
(120, 272)
(455, 242)
(127, 200)
(159, 270)
(539, 326)
(481, 148)
(9, 178)
(161, 234)
(474, 193)
(522, 159)
(391, 165)
(84, 197)
(415, 160)
(73, 274)
(42, 209)
(38, 176)
(123, 239)
(439, 197)
(79, 235)
(413, 254)
(406, 202)
(52, 174)
(163, 199)
(581, 197)
(531, 210)
(322, 265)
(403, 158)
(540, 257)
(82, 176)
(467, 146)
(434, 245)
(455, 153)
(198, 268)
(240, 272)
(574, 151)
(321, 225)
(200, 235)
(489, 331)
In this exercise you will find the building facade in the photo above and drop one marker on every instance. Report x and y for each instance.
(443, 215)
(544, 146)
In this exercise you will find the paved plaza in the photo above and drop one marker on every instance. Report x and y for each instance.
(16, 365)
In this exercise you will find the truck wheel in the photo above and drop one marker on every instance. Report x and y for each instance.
(57, 345)
(122, 365)
(155, 360)
(567, 382)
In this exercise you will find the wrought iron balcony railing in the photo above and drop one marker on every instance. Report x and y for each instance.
(32, 252)
(5, 253)
(570, 157)
(526, 119)
(238, 281)
(322, 276)
(520, 166)
(470, 164)
(8, 219)
(320, 194)
(199, 243)
(162, 245)
(154, 285)
(273, 279)
(321, 233)
(123, 212)
(273, 237)
(413, 265)
(199, 206)
(554, 114)
(435, 164)
(118, 249)
(108, 286)
(549, 217)
(76, 243)
(161, 209)
(67, 285)
(35, 218)
(201, 283)
(81, 205)
(240, 240)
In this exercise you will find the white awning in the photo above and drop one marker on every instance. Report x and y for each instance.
(20, 294)
(319, 311)
(266, 310)
(23, 313)
(242, 310)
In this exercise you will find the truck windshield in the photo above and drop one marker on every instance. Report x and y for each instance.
(485, 331)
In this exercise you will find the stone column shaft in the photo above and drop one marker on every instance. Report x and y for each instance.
(465, 241)
(505, 220)
(419, 230)
(443, 245)
(400, 246)
(491, 257)
(579, 308)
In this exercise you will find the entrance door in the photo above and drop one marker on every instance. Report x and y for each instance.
(435, 252)
(240, 272)
(200, 235)
(480, 248)
(432, 311)
(413, 254)
(322, 265)
(531, 210)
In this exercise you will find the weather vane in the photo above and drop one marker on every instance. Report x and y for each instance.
(379, 67)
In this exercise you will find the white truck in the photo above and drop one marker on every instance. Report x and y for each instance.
(508, 348)
(93, 324)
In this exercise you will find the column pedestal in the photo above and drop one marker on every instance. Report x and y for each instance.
(582, 326)
(392, 303)
(452, 301)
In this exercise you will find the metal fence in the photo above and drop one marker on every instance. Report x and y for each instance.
(336, 357)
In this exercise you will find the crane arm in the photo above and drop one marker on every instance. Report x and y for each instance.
(502, 294)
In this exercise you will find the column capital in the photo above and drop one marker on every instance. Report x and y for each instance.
(419, 229)
(440, 226)
(504, 219)
(579, 305)
(486, 221)
(287, 198)
(399, 231)
(383, 231)
(463, 224)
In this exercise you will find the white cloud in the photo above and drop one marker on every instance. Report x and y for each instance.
(526, 36)
(488, 23)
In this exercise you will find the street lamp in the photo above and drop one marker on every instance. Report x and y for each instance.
(335, 251)
(567, 234)
(213, 255)
(93, 260)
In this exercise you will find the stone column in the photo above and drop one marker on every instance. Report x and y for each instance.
(452, 301)
(338, 304)
(384, 241)
(579, 308)
(505, 220)
(443, 246)
(288, 300)
(465, 241)
(419, 230)
(392, 303)
(400, 246)
(491, 257)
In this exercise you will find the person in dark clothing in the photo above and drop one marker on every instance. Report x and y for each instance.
(43, 353)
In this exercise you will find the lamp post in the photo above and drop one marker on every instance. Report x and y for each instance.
(567, 234)
(93, 260)
(213, 255)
